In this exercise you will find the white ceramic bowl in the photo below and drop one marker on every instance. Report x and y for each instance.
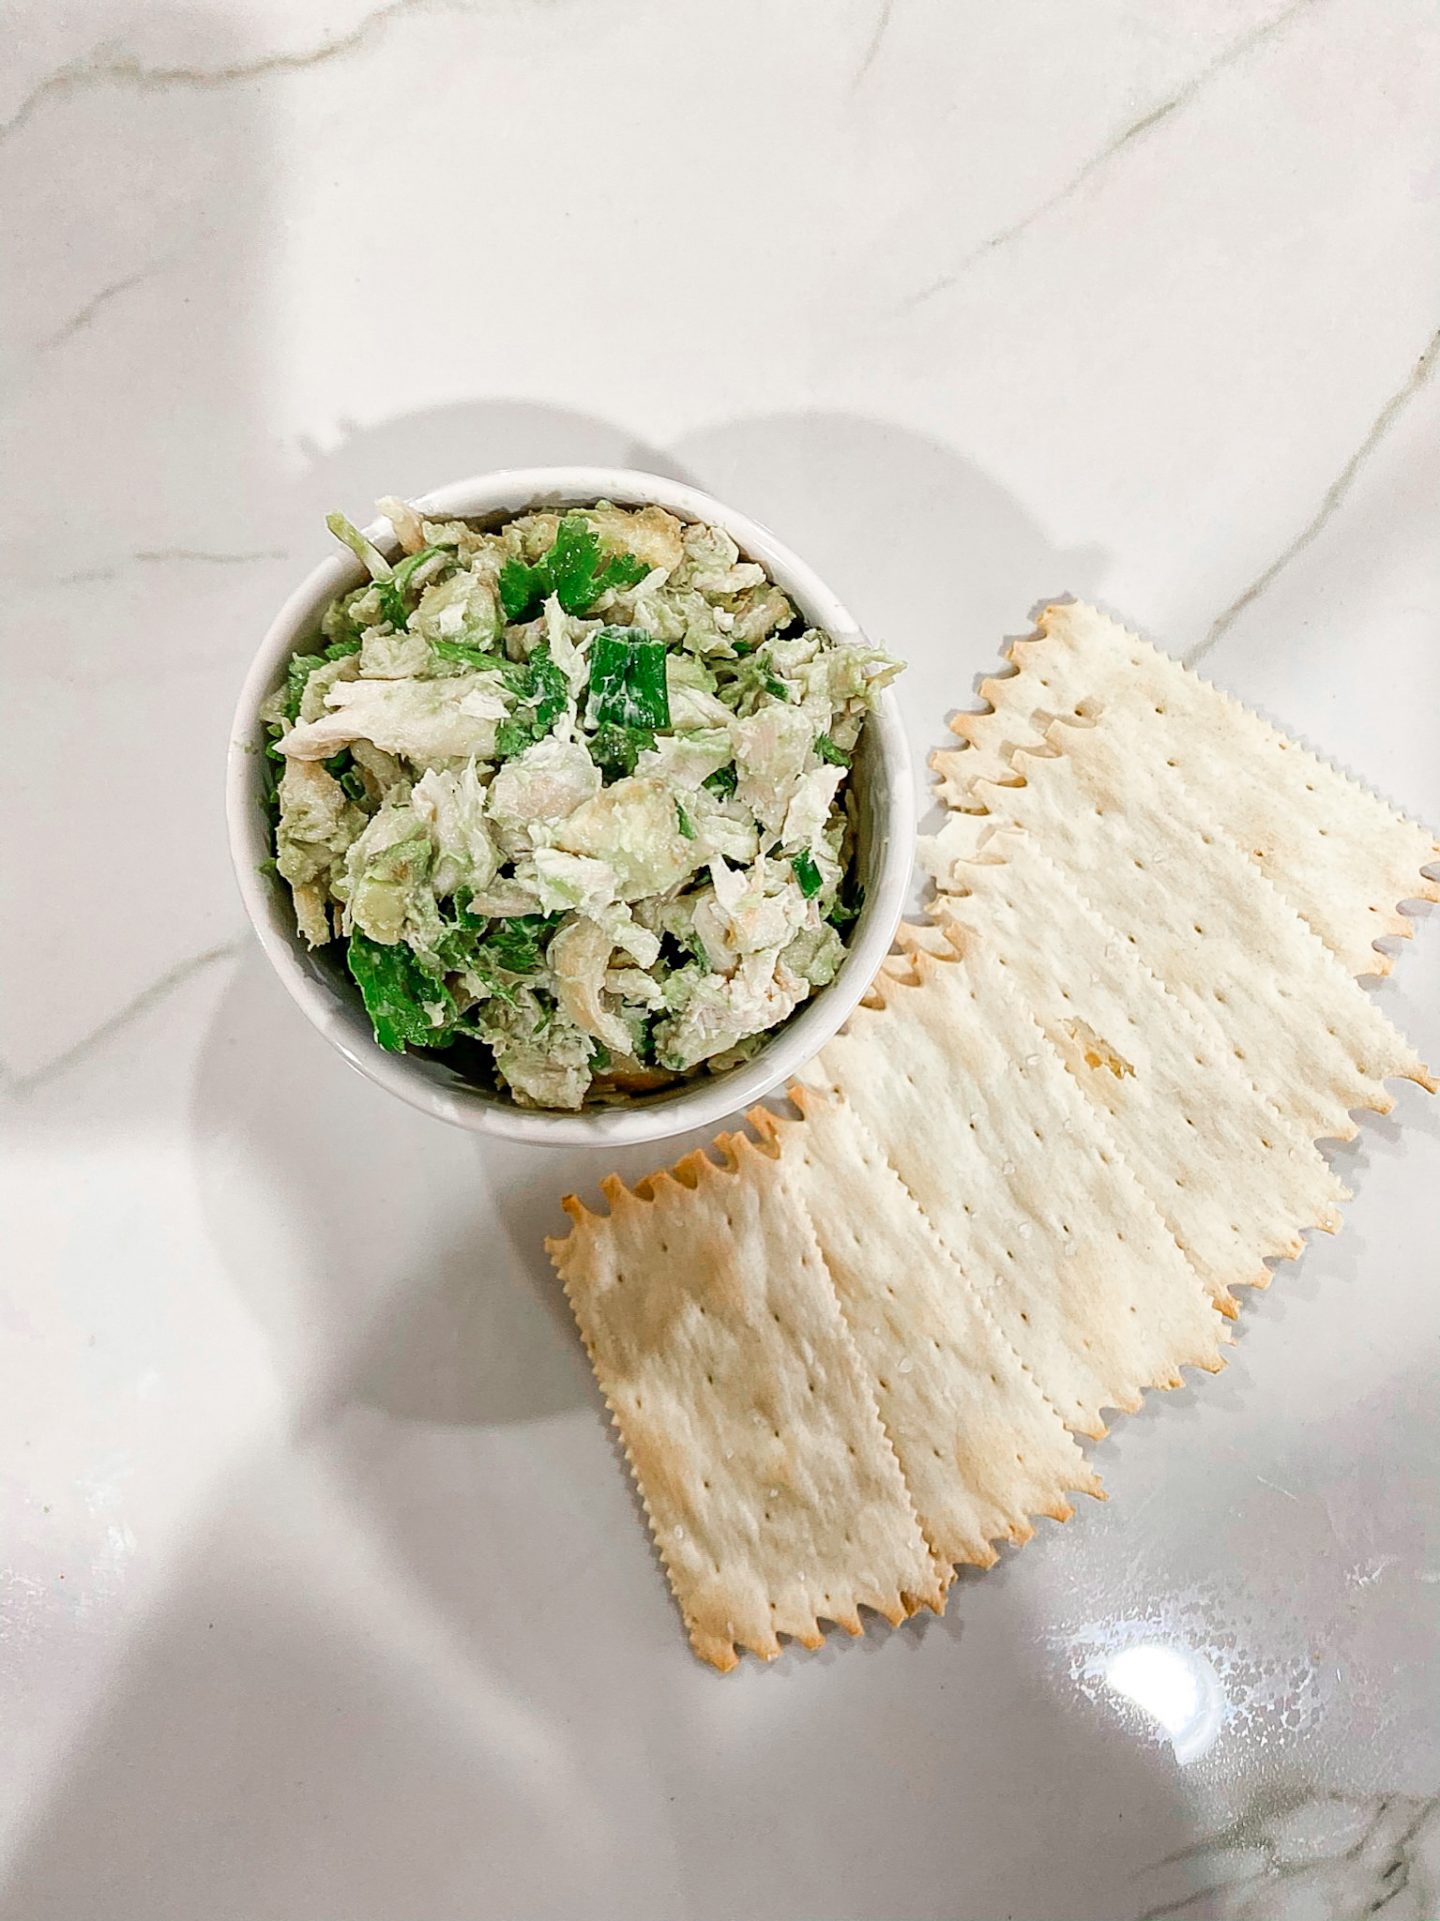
(318, 983)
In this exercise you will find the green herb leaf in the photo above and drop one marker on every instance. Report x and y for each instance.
(684, 822)
(573, 563)
(392, 605)
(620, 570)
(572, 570)
(456, 950)
(522, 589)
(500, 951)
(578, 577)
(600, 1056)
(827, 750)
(722, 781)
(512, 737)
(627, 679)
(549, 689)
(518, 942)
(775, 687)
(807, 874)
(464, 914)
(407, 1006)
(544, 695)
(457, 947)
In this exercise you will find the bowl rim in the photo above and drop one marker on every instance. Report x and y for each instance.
(696, 1104)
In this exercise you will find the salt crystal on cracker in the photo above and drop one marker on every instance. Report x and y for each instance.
(980, 1447)
(1342, 857)
(1096, 1298)
(1236, 1181)
(774, 1496)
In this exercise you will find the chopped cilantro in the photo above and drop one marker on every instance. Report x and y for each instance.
(684, 822)
(497, 952)
(827, 750)
(775, 687)
(518, 943)
(549, 690)
(572, 570)
(522, 589)
(578, 574)
(807, 874)
(722, 781)
(543, 696)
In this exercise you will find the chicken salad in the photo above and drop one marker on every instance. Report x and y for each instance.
(571, 795)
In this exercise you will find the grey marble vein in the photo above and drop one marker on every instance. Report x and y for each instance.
(80, 320)
(103, 65)
(1330, 500)
(877, 40)
(160, 556)
(1137, 129)
(22, 1085)
(1277, 1862)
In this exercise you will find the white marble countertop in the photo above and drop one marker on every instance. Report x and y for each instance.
(323, 1589)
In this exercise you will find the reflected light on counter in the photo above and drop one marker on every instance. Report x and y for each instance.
(1177, 1688)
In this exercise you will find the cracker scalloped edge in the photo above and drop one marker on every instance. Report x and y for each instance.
(1426, 887)
(686, 1174)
